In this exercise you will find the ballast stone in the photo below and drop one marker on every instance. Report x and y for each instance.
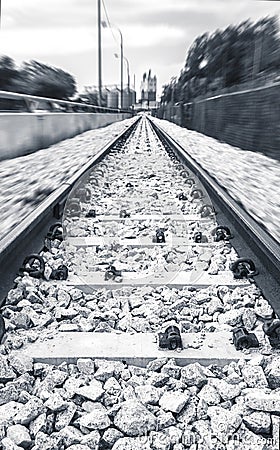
(174, 401)
(69, 435)
(8, 393)
(165, 419)
(210, 395)
(91, 439)
(38, 424)
(129, 443)
(93, 391)
(264, 310)
(272, 371)
(249, 319)
(174, 433)
(79, 447)
(195, 375)
(56, 403)
(258, 422)
(9, 410)
(134, 419)
(6, 372)
(86, 366)
(111, 435)
(227, 391)
(97, 419)
(107, 369)
(8, 444)
(223, 422)
(148, 394)
(29, 411)
(261, 401)
(21, 362)
(232, 317)
(19, 435)
(159, 440)
(254, 376)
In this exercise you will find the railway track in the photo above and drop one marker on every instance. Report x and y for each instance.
(154, 292)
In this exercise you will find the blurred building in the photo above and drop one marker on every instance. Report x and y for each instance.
(148, 88)
(111, 96)
(129, 98)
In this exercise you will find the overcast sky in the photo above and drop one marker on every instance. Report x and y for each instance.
(157, 33)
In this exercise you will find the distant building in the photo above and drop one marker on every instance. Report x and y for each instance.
(111, 96)
(148, 88)
(129, 98)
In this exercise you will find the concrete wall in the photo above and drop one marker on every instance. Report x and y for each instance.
(23, 133)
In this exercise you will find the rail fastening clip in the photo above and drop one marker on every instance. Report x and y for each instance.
(61, 273)
(34, 265)
(221, 233)
(243, 268)
(160, 236)
(111, 273)
(272, 330)
(170, 338)
(242, 339)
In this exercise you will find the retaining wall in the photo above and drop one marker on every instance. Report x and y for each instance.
(23, 133)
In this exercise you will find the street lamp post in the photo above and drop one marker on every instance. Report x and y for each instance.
(99, 52)
(105, 25)
(128, 73)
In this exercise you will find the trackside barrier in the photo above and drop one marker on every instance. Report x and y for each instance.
(33, 123)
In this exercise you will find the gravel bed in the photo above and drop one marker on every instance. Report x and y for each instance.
(140, 179)
(28, 180)
(99, 404)
(158, 260)
(37, 309)
(251, 178)
(140, 228)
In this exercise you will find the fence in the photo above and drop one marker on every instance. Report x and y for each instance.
(247, 119)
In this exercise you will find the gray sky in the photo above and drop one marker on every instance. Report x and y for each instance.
(157, 33)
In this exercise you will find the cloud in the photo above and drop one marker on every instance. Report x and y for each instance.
(47, 41)
(139, 36)
(53, 13)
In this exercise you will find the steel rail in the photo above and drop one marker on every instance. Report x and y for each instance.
(27, 237)
(255, 239)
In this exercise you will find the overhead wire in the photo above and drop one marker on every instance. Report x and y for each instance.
(108, 21)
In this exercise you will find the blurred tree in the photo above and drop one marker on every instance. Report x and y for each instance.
(195, 63)
(267, 45)
(8, 73)
(229, 57)
(36, 78)
(90, 97)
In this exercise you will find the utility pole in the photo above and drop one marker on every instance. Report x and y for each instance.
(99, 52)
(121, 69)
